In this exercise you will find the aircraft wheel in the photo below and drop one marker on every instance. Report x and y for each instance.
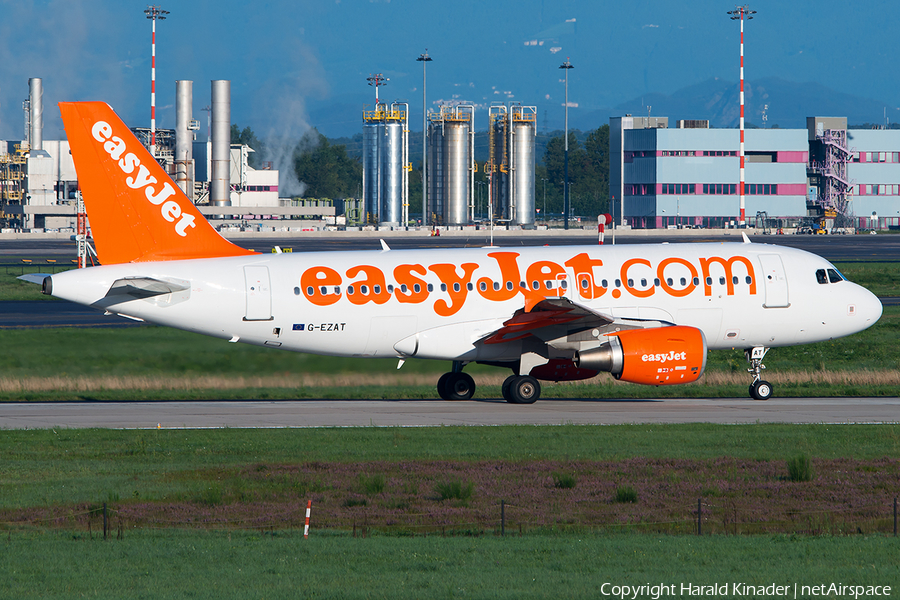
(761, 390)
(505, 389)
(442, 390)
(524, 389)
(458, 386)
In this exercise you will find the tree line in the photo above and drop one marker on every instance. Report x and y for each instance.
(330, 171)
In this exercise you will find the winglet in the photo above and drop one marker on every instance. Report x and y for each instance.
(384, 246)
(746, 239)
(136, 211)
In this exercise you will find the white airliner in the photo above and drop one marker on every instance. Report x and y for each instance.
(645, 313)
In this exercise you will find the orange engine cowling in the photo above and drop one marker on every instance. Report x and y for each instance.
(659, 356)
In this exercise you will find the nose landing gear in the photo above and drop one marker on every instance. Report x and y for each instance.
(759, 389)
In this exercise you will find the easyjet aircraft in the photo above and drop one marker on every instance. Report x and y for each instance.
(646, 313)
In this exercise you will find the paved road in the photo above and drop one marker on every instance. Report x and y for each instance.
(408, 413)
(56, 313)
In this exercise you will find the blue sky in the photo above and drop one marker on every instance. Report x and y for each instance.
(295, 63)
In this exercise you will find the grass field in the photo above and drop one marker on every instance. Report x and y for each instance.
(178, 564)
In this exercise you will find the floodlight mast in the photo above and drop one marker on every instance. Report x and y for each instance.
(566, 65)
(741, 13)
(377, 80)
(153, 13)
(424, 59)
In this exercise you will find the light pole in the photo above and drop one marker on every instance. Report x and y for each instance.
(545, 197)
(566, 65)
(424, 59)
(153, 13)
(739, 13)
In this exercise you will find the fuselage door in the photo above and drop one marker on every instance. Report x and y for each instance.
(259, 294)
(775, 281)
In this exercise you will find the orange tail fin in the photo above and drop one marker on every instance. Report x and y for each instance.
(137, 213)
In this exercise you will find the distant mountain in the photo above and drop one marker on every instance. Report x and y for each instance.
(789, 103)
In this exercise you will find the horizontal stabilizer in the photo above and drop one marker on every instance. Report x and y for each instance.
(140, 288)
(37, 278)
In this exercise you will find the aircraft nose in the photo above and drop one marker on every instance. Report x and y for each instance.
(868, 307)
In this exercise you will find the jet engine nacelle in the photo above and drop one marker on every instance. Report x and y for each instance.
(659, 356)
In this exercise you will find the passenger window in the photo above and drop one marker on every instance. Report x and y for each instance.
(821, 277)
(564, 284)
(696, 281)
(390, 288)
(496, 286)
(430, 288)
(683, 281)
(604, 283)
(337, 289)
(509, 285)
(734, 280)
(834, 276)
(403, 288)
(324, 290)
(643, 283)
(585, 283)
(364, 290)
(470, 287)
(656, 281)
(443, 287)
(618, 283)
(709, 281)
(483, 286)
(748, 279)
(535, 285)
(310, 291)
(350, 290)
(721, 281)
(417, 288)
(631, 283)
(296, 291)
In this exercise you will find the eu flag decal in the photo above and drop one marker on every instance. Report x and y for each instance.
(299, 326)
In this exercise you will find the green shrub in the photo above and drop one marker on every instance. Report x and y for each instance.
(626, 493)
(799, 468)
(454, 490)
(563, 481)
(372, 484)
(352, 501)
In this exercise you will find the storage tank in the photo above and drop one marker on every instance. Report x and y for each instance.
(371, 172)
(456, 179)
(391, 208)
(522, 171)
(450, 164)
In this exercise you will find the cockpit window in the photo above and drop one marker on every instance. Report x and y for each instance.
(821, 277)
(834, 276)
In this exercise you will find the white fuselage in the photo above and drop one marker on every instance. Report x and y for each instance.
(739, 295)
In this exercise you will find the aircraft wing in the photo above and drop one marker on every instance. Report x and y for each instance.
(549, 319)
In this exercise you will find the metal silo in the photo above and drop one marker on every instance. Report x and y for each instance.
(451, 167)
(456, 183)
(385, 177)
(371, 171)
(391, 206)
(523, 123)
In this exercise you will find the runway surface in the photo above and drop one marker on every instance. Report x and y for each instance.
(418, 413)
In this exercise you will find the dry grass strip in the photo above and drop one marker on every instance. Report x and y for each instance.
(207, 382)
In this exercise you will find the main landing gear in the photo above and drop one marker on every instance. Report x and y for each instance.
(517, 389)
(521, 389)
(759, 389)
(456, 385)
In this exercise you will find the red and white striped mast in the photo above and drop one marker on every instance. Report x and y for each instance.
(739, 13)
(153, 13)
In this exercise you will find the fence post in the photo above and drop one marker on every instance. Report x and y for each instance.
(503, 517)
(105, 522)
(699, 517)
